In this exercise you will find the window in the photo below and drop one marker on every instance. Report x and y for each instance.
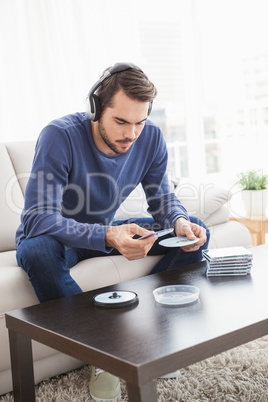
(212, 158)
(212, 77)
(265, 115)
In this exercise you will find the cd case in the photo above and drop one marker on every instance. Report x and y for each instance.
(176, 294)
(228, 261)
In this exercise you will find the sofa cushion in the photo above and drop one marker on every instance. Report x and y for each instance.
(11, 201)
(129, 270)
(21, 154)
(95, 273)
(134, 206)
(221, 215)
(14, 282)
(204, 201)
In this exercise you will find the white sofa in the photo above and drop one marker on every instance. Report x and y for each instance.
(210, 204)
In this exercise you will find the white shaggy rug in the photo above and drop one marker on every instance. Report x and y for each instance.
(240, 374)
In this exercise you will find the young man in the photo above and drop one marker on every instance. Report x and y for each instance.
(85, 165)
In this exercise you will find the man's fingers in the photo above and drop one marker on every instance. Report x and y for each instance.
(121, 238)
(199, 232)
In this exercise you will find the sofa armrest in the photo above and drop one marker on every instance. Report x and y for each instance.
(230, 234)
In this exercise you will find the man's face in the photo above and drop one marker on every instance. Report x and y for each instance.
(120, 125)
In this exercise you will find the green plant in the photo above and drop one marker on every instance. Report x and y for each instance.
(252, 180)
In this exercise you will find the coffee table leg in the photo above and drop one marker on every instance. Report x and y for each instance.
(145, 393)
(22, 367)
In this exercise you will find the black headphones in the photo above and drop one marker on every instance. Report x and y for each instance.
(93, 104)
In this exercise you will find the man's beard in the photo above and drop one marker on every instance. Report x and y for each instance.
(112, 146)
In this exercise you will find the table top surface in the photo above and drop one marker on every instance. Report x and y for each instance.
(152, 332)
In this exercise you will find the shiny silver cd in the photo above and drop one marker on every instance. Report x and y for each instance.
(116, 299)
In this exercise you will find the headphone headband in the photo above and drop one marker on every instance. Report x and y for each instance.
(94, 110)
(118, 67)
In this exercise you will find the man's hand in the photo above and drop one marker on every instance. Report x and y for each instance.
(121, 238)
(183, 227)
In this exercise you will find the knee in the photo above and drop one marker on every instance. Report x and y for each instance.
(37, 251)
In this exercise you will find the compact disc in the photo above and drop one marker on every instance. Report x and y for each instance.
(178, 241)
(115, 299)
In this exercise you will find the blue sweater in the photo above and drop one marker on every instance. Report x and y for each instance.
(74, 189)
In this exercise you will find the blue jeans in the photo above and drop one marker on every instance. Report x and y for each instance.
(47, 261)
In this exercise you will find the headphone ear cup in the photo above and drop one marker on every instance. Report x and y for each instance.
(150, 108)
(97, 107)
(88, 109)
(93, 107)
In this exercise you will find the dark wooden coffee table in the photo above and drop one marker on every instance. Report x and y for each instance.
(142, 343)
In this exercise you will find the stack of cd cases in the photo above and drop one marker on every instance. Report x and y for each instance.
(228, 261)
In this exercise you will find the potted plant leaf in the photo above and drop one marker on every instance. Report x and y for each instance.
(254, 191)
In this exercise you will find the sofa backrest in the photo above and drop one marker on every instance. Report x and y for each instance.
(15, 166)
(207, 203)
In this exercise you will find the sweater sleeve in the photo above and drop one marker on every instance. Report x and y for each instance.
(42, 214)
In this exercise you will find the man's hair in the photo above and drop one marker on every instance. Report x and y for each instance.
(134, 83)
